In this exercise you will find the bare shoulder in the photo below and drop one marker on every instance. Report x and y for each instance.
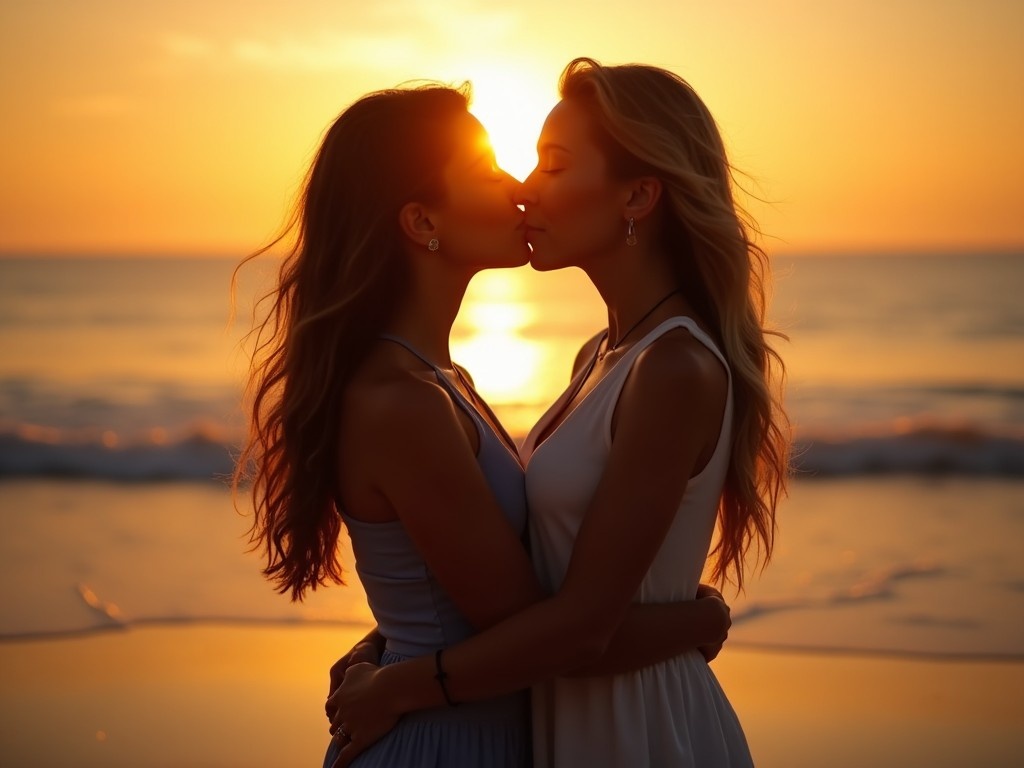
(673, 400)
(677, 363)
(678, 359)
(385, 404)
(398, 431)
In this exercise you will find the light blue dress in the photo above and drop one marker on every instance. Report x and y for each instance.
(417, 617)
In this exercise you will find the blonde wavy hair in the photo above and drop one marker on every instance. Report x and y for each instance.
(340, 283)
(649, 121)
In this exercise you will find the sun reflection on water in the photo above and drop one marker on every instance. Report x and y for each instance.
(489, 341)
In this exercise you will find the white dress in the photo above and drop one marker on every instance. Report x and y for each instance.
(668, 714)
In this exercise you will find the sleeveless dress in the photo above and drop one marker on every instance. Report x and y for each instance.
(417, 617)
(669, 714)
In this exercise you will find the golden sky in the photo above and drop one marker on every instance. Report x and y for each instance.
(185, 126)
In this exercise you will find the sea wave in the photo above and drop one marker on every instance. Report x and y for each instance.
(50, 453)
(205, 454)
(924, 451)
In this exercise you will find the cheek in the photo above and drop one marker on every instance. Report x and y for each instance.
(579, 212)
(484, 224)
(483, 205)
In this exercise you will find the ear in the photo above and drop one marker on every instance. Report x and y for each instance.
(643, 196)
(416, 224)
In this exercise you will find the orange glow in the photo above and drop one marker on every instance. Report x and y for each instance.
(516, 369)
(512, 109)
(504, 365)
(183, 129)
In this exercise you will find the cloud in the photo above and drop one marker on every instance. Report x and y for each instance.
(327, 54)
(461, 21)
(389, 35)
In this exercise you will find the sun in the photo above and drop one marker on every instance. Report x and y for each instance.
(512, 104)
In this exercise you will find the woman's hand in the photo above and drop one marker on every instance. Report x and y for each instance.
(362, 712)
(365, 651)
(719, 612)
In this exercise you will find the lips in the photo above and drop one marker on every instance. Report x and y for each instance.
(531, 234)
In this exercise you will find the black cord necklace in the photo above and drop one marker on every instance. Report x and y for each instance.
(634, 326)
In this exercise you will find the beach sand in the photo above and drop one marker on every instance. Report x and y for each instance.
(208, 696)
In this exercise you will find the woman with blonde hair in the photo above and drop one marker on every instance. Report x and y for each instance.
(361, 421)
(672, 421)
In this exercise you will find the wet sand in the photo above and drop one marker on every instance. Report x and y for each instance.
(209, 696)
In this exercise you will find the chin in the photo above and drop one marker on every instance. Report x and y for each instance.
(542, 264)
(514, 264)
(512, 259)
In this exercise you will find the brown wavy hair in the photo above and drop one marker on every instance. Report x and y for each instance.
(338, 286)
(649, 121)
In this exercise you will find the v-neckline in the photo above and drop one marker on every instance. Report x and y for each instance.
(559, 406)
(491, 422)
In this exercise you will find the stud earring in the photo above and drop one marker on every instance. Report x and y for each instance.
(631, 231)
(433, 245)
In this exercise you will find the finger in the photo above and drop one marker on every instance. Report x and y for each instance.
(337, 673)
(331, 707)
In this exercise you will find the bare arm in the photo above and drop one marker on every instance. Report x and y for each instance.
(654, 632)
(415, 454)
(668, 416)
(649, 634)
(440, 494)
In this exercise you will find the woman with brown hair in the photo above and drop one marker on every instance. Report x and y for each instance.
(360, 419)
(672, 421)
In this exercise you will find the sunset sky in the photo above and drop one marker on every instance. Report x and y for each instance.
(184, 127)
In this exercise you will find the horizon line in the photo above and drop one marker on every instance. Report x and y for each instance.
(796, 251)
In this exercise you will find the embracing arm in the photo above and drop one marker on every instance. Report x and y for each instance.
(366, 651)
(416, 455)
(650, 633)
(653, 632)
(449, 511)
(667, 418)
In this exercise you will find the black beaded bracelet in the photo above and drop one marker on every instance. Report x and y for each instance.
(441, 676)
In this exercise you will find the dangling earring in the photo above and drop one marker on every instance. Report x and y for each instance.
(433, 245)
(631, 232)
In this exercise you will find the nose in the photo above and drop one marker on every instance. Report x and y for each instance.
(512, 186)
(525, 193)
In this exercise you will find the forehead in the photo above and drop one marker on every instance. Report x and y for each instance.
(568, 125)
(471, 139)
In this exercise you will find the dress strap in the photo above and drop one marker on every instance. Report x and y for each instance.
(441, 378)
(482, 425)
(403, 343)
(452, 390)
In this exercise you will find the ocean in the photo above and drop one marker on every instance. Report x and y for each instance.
(120, 412)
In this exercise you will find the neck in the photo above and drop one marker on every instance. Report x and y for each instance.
(630, 284)
(426, 316)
